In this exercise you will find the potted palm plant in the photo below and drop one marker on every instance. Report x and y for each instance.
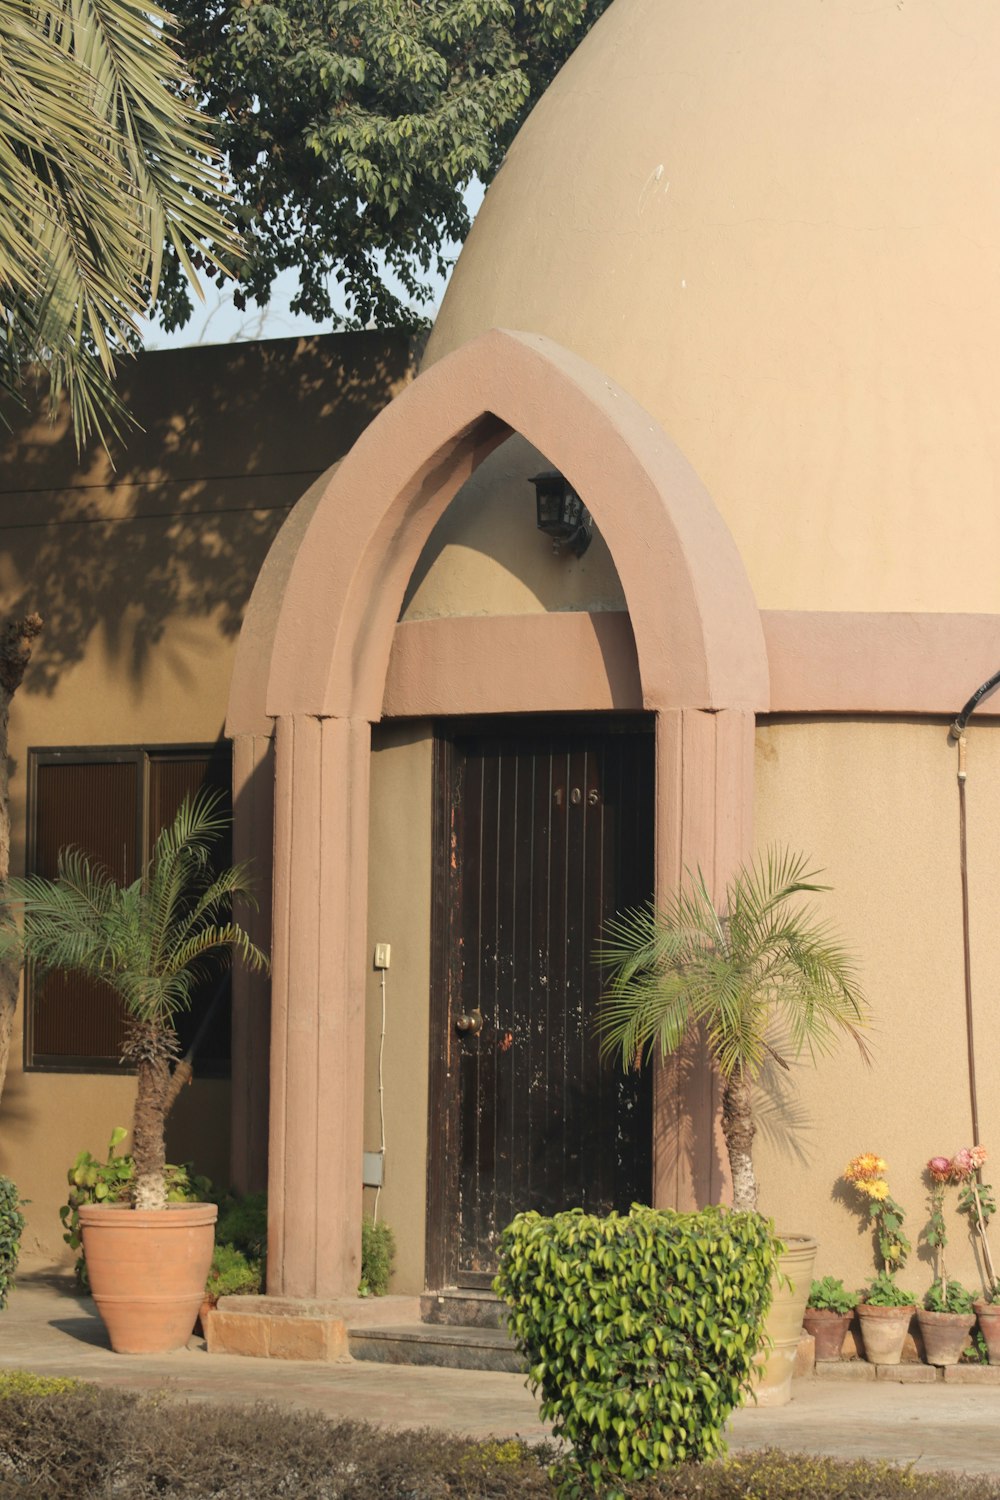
(151, 942)
(763, 980)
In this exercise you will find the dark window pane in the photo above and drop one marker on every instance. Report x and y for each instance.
(93, 806)
(172, 776)
(98, 805)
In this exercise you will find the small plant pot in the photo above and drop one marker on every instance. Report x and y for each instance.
(828, 1328)
(988, 1314)
(945, 1335)
(883, 1332)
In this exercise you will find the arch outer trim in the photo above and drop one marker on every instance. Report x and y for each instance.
(698, 633)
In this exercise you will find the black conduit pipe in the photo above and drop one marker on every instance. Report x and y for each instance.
(957, 733)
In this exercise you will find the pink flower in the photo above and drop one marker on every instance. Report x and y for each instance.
(940, 1168)
(962, 1164)
(978, 1157)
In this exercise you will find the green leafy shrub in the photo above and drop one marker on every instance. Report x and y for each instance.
(949, 1297)
(94, 1181)
(242, 1223)
(639, 1330)
(831, 1295)
(378, 1249)
(885, 1291)
(11, 1229)
(232, 1274)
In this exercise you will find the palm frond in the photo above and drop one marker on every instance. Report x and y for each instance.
(103, 157)
(151, 940)
(733, 969)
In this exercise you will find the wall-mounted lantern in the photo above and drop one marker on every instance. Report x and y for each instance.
(562, 515)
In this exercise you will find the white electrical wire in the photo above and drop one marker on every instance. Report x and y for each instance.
(381, 1107)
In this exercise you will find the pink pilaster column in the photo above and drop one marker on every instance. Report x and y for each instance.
(253, 839)
(317, 1011)
(704, 820)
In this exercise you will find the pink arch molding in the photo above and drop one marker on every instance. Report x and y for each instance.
(696, 624)
(319, 633)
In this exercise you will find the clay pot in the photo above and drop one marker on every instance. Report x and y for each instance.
(828, 1328)
(883, 1331)
(783, 1327)
(945, 1335)
(988, 1314)
(147, 1270)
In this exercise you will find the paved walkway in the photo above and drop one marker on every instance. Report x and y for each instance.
(49, 1330)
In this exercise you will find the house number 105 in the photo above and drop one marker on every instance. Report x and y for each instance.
(576, 796)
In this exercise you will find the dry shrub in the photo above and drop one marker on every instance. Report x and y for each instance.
(94, 1444)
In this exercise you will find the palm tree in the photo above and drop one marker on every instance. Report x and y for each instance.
(151, 941)
(103, 159)
(760, 977)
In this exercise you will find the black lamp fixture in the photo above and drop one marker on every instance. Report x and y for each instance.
(562, 515)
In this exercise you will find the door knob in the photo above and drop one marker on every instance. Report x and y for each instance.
(471, 1023)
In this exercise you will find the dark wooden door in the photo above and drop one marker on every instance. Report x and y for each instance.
(547, 830)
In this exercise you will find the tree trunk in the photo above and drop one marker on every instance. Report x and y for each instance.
(739, 1131)
(148, 1133)
(16, 640)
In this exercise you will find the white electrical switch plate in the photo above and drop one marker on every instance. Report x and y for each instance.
(372, 1169)
(382, 951)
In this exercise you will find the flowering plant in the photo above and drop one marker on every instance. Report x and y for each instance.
(939, 1170)
(830, 1295)
(866, 1174)
(975, 1198)
(884, 1292)
(949, 1297)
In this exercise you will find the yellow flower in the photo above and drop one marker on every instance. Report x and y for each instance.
(865, 1167)
(878, 1189)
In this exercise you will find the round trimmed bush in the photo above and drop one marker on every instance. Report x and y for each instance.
(639, 1330)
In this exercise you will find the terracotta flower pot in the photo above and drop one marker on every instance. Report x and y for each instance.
(147, 1270)
(828, 1328)
(945, 1335)
(988, 1314)
(883, 1332)
(784, 1321)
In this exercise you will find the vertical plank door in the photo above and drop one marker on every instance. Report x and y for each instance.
(551, 832)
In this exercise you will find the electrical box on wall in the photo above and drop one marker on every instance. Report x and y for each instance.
(382, 951)
(371, 1169)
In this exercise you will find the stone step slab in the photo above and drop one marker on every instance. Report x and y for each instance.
(441, 1345)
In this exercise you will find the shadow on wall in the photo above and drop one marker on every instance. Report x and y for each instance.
(177, 528)
(687, 1121)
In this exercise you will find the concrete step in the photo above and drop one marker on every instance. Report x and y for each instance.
(463, 1307)
(437, 1344)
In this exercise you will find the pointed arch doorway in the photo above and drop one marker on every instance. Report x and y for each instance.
(323, 621)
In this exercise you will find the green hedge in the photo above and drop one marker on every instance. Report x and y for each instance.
(11, 1229)
(639, 1331)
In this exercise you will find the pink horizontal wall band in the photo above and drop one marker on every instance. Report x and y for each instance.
(558, 663)
(878, 663)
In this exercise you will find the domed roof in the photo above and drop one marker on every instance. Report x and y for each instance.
(777, 224)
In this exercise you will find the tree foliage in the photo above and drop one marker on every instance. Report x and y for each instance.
(351, 128)
(103, 159)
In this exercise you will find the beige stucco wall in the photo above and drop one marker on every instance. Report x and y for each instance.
(770, 221)
(399, 913)
(141, 572)
(875, 804)
(486, 555)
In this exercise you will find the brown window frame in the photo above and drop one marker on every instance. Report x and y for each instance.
(141, 756)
